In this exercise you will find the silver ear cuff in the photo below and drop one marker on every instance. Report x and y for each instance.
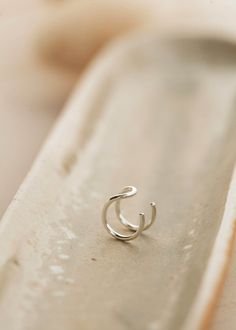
(127, 192)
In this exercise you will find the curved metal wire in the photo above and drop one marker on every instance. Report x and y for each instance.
(126, 223)
(127, 192)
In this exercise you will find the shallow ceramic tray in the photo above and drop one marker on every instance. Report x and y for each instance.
(159, 115)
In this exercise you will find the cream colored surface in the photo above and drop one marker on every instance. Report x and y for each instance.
(59, 268)
(224, 317)
(32, 92)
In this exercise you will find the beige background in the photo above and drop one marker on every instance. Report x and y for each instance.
(34, 88)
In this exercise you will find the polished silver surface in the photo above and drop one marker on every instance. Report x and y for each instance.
(127, 192)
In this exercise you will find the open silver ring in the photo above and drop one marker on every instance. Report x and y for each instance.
(127, 192)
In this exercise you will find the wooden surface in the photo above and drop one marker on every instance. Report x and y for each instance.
(146, 115)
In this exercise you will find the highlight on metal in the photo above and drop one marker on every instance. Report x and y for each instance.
(136, 230)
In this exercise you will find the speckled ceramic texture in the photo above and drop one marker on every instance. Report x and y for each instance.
(159, 115)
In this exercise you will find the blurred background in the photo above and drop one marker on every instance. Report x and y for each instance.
(46, 45)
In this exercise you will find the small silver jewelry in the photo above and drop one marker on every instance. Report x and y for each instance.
(127, 192)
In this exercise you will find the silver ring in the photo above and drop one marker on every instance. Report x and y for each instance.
(127, 192)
